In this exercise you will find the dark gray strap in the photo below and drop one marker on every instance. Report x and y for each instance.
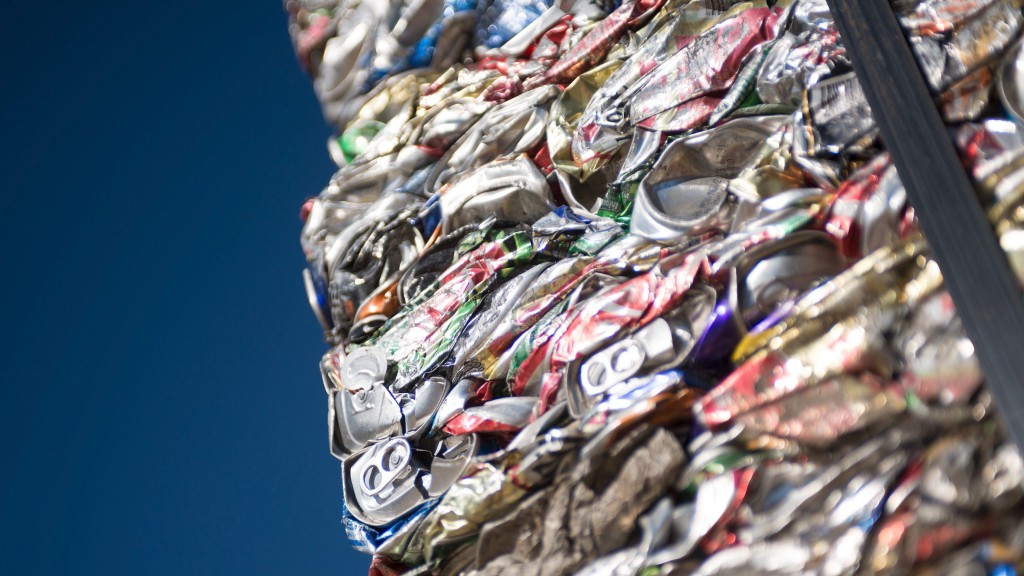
(974, 267)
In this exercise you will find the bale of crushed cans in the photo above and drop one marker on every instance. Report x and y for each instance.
(634, 288)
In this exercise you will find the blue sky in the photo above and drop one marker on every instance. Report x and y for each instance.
(160, 405)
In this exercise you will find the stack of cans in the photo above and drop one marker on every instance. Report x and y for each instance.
(634, 288)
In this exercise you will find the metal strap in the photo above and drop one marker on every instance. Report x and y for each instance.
(975, 269)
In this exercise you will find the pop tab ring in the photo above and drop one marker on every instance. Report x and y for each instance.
(392, 463)
(384, 482)
(625, 358)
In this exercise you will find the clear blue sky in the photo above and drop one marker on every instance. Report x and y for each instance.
(161, 406)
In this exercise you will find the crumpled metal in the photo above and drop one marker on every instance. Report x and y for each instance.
(634, 288)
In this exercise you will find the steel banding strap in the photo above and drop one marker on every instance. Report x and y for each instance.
(975, 269)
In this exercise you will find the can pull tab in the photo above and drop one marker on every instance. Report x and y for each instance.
(624, 359)
(389, 464)
(614, 365)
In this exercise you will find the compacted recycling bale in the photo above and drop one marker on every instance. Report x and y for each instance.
(634, 287)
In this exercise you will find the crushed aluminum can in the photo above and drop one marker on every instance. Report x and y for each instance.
(818, 416)
(633, 303)
(593, 47)
(581, 192)
(392, 478)
(868, 210)
(808, 352)
(662, 344)
(773, 273)
(419, 407)
(498, 415)
(809, 50)
(501, 304)
(838, 115)
(686, 193)
(949, 57)
(968, 97)
(511, 191)
(683, 92)
(765, 280)
(509, 128)
(362, 417)
(600, 130)
(386, 482)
